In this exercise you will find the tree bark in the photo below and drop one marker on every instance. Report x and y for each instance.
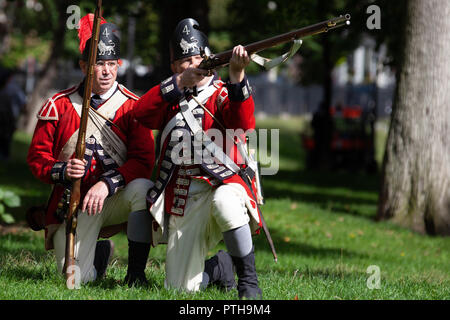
(415, 190)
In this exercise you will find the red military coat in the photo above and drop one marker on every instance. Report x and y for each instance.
(58, 121)
(231, 105)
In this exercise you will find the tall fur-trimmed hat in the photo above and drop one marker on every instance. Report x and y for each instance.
(108, 47)
(187, 40)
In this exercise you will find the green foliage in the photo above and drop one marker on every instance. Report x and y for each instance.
(262, 20)
(30, 32)
(23, 47)
(231, 22)
(8, 199)
(147, 45)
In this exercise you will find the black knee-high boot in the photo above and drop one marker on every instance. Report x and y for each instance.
(247, 278)
(219, 269)
(104, 250)
(137, 259)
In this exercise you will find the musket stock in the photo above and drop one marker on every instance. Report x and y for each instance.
(222, 59)
(71, 217)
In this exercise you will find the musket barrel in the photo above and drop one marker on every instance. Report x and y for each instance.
(296, 34)
(223, 58)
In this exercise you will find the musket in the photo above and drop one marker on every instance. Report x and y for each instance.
(75, 194)
(212, 61)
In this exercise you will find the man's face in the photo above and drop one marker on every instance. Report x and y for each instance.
(178, 66)
(105, 74)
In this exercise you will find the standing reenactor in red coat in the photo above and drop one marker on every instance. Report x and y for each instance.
(117, 164)
(195, 204)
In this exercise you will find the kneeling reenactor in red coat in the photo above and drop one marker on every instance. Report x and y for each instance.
(117, 163)
(195, 204)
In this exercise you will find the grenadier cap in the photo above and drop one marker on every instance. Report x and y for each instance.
(108, 47)
(187, 40)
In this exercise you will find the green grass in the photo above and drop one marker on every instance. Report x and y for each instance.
(322, 224)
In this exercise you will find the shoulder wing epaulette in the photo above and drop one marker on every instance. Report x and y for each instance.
(128, 93)
(49, 110)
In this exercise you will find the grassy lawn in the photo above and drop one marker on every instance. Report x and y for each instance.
(322, 224)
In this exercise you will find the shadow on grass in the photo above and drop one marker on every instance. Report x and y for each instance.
(23, 259)
(356, 181)
(334, 191)
(106, 283)
(334, 274)
(109, 282)
(22, 273)
(338, 273)
(301, 249)
(15, 244)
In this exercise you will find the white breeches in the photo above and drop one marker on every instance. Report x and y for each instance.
(208, 213)
(115, 211)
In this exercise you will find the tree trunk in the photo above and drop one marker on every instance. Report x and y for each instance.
(415, 190)
(49, 73)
